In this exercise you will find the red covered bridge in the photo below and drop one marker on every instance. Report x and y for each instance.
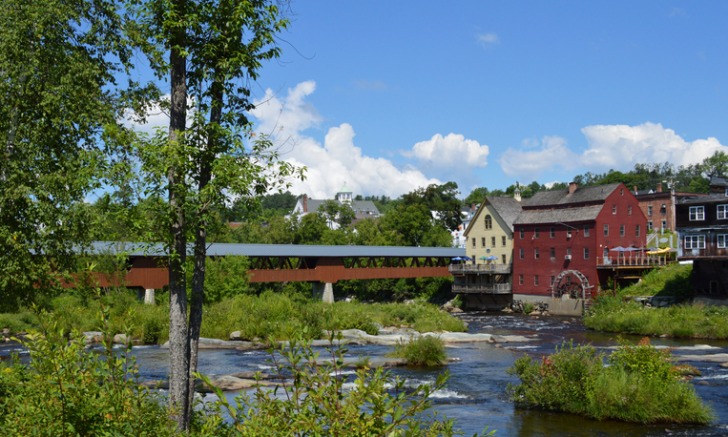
(320, 265)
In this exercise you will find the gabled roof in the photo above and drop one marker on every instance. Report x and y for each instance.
(560, 215)
(562, 198)
(507, 208)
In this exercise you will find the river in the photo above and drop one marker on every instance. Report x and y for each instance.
(475, 394)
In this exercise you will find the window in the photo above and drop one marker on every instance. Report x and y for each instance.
(536, 233)
(606, 230)
(614, 209)
(503, 240)
(503, 259)
(649, 225)
(552, 253)
(629, 209)
(521, 253)
(522, 234)
(473, 242)
(586, 230)
(568, 251)
(637, 230)
(722, 241)
(536, 253)
(492, 241)
(649, 210)
(621, 230)
(482, 241)
(535, 279)
(488, 222)
(552, 232)
(722, 212)
(664, 224)
(520, 279)
(697, 213)
(694, 242)
(586, 253)
(663, 209)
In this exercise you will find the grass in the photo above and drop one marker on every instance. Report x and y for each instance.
(640, 385)
(276, 316)
(424, 351)
(618, 313)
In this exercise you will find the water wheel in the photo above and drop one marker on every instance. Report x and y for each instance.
(571, 283)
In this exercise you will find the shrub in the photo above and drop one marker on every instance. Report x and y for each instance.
(639, 386)
(67, 390)
(423, 351)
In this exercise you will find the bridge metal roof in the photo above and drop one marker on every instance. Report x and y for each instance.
(275, 250)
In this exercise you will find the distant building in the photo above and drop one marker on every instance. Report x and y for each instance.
(702, 225)
(363, 209)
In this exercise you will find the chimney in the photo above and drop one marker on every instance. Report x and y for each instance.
(572, 187)
(635, 190)
(517, 193)
(305, 203)
(659, 187)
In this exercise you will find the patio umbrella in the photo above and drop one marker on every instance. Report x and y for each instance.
(491, 258)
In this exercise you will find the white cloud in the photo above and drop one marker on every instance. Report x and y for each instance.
(617, 147)
(451, 151)
(488, 39)
(335, 163)
(622, 146)
(538, 158)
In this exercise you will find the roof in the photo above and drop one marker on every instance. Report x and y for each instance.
(593, 194)
(702, 199)
(507, 208)
(285, 250)
(313, 205)
(561, 215)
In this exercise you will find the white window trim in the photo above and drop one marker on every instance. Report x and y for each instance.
(696, 213)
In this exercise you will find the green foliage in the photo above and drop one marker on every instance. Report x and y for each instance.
(639, 386)
(225, 277)
(612, 314)
(620, 314)
(671, 280)
(68, 390)
(422, 351)
(279, 316)
(57, 65)
(318, 402)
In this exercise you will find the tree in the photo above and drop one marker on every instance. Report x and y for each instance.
(57, 65)
(476, 196)
(441, 199)
(210, 50)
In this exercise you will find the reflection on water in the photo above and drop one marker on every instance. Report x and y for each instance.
(475, 395)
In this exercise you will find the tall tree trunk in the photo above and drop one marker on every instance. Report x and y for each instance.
(179, 348)
(200, 253)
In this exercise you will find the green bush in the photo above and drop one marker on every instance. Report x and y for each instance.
(66, 390)
(640, 385)
(423, 351)
(613, 314)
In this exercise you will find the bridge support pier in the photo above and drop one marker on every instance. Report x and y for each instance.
(324, 291)
(149, 296)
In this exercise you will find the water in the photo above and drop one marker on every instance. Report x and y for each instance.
(475, 395)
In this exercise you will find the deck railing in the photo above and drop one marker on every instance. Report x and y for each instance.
(480, 268)
(481, 288)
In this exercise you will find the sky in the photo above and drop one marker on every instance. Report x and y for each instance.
(383, 97)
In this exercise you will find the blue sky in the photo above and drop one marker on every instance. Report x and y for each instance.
(383, 97)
